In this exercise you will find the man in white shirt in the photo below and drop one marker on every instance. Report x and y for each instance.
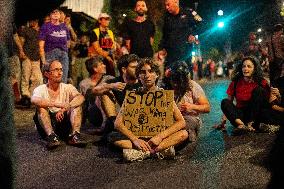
(59, 111)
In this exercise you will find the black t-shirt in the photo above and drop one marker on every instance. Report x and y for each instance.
(176, 30)
(106, 43)
(120, 95)
(139, 34)
(31, 48)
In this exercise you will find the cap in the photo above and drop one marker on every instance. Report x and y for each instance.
(103, 15)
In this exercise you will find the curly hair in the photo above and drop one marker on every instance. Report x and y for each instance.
(125, 60)
(257, 74)
(151, 63)
(179, 76)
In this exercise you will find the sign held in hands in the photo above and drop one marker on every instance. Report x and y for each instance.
(147, 114)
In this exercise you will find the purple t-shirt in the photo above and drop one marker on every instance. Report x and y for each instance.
(55, 36)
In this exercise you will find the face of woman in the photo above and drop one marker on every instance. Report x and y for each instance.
(248, 68)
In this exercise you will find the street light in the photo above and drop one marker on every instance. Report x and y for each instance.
(259, 30)
(220, 24)
(220, 13)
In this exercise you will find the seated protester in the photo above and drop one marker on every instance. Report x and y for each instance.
(271, 118)
(126, 65)
(95, 86)
(58, 109)
(135, 148)
(251, 91)
(189, 97)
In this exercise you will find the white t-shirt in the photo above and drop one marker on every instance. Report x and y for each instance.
(66, 94)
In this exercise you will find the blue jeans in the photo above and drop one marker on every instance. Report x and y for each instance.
(62, 57)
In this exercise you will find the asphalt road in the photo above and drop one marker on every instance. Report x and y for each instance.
(216, 160)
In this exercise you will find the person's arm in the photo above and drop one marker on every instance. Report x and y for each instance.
(127, 44)
(46, 103)
(202, 105)
(274, 99)
(41, 51)
(151, 41)
(100, 51)
(119, 125)
(178, 125)
(106, 87)
(278, 108)
(72, 33)
(77, 101)
(19, 45)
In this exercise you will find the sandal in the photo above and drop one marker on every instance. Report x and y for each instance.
(221, 126)
(250, 127)
(240, 130)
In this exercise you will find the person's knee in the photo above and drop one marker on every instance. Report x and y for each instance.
(183, 135)
(224, 103)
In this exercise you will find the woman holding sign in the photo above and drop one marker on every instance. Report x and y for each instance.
(189, 96)
(162, 144)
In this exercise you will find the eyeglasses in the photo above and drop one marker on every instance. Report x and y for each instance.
(56, 70)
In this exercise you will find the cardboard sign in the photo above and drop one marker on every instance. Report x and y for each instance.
(150, 113)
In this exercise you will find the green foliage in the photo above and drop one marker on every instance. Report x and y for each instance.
(214, 54)
(157, 39)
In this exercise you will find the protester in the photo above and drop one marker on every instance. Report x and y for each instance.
(251, 91)
(135, 148)
(272, 117)
(139, 32)
(276, 56)
(112, 101)
(53, 42)
(31, 73)
(102, 40)
(93, 87)
(15, 52)
(189, 97)
(79, 71)
(58, 109)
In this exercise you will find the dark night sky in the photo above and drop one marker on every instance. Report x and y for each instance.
(245, 16)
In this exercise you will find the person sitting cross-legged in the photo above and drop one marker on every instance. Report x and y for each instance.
(58, 109)
(163, 143)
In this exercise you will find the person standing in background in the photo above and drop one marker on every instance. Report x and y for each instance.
(31, 73)
(178, 32)
(54, 39)
(102, 40)
(139, 32)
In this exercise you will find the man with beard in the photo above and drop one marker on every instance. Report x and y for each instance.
(139, 32)
(126, 65)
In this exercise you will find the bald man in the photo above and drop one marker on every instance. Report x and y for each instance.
(178, 32)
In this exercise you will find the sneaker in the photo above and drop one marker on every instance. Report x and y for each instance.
(135, 155)
(168, 153)
(267, 128)
(52, 141)
(76, 140)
